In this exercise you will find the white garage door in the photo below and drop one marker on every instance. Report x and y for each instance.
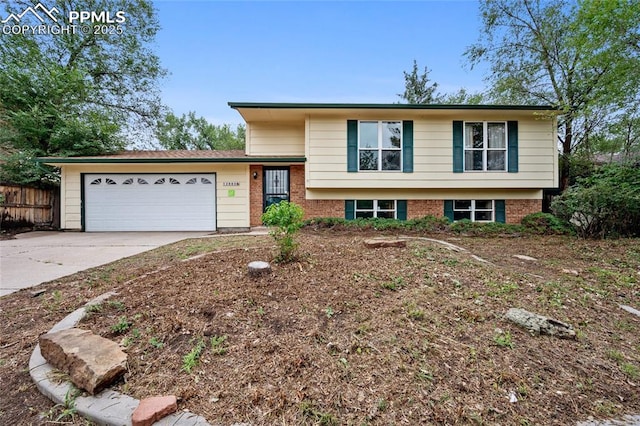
(150, 202)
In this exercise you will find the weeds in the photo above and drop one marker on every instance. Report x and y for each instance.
(121, 326)
(67, 410)
(156, 343)
(190, 360)
(309, 411)
(394, 284)
(504, 340)
(217, 345)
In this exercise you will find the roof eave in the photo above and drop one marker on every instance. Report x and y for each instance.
(277, 105)
(55, 161)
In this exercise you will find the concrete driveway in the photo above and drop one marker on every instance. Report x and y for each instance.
(36, 257)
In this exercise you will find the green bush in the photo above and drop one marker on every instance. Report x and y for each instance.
(284, 219)
(605, 204)
(544, 224)
(468, 227)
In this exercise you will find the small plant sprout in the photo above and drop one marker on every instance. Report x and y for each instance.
(190, 360)
(329, 312)
(504, 340)
(156, 343)
(217, 345)
(121, 326)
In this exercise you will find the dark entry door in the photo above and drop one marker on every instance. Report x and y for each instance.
(276, 185)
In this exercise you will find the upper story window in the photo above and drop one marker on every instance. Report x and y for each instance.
(485, 146)
(380, 145)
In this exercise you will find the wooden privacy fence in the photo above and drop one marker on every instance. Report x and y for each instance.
(23, 206)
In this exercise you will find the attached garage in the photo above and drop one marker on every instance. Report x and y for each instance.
(149, 202)
(179, 190)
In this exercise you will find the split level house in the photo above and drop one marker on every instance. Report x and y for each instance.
(478, 162)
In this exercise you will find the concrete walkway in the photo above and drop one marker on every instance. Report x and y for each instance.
(37, 257)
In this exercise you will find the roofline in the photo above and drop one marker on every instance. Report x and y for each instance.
(98, 160)
(277, 105)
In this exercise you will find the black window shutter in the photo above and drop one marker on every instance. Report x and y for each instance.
(349, 209)
(407, 146)
(501, 214)
(458, 147)
(448, 209)
(512, 146)
(352, 145)
(401, 206)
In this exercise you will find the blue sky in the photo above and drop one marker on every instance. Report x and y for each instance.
(309, 51)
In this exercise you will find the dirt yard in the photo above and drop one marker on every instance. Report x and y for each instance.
(351, 335)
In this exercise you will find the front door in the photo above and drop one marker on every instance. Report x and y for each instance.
(276, 185)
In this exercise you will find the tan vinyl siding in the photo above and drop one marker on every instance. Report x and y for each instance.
(277, 138)
(433, 157)
(232, 212)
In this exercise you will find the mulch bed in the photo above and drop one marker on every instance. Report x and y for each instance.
(350, 335)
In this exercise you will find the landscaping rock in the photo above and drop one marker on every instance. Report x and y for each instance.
(91, 361)
(153, 409)
(258, 268)
(538, 324)
(384, 242)
(523, 257)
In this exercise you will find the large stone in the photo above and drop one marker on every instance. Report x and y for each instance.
(258, 267)
(538, 324)
(91, 361)
(524, 257)
(153, 409)
(384, 242)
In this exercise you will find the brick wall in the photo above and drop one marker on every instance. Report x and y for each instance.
(255, 195)
(421, 208)
(517, 209)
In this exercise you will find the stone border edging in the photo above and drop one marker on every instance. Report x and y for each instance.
(106, 408)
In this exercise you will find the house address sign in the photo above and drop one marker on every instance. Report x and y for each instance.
(230, 183)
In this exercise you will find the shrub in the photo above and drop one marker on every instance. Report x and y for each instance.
(425, 224)
(468, 227)
(284, 219)
(604, 204)
(544, 224)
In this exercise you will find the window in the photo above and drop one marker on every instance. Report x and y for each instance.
(380, 145)
(128, 182)
(475, 210)
(173, 181)
(376, 208)
(485, 146)
(96, 181)
(192, 181)
(205, 181)
(159, 181)
(142, 181)
(110, 181)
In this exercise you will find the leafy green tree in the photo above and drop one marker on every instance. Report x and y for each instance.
(419, 90)
(79, 92)
(559, 53)
(191, 132)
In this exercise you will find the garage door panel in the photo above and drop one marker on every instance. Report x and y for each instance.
(150, 202)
